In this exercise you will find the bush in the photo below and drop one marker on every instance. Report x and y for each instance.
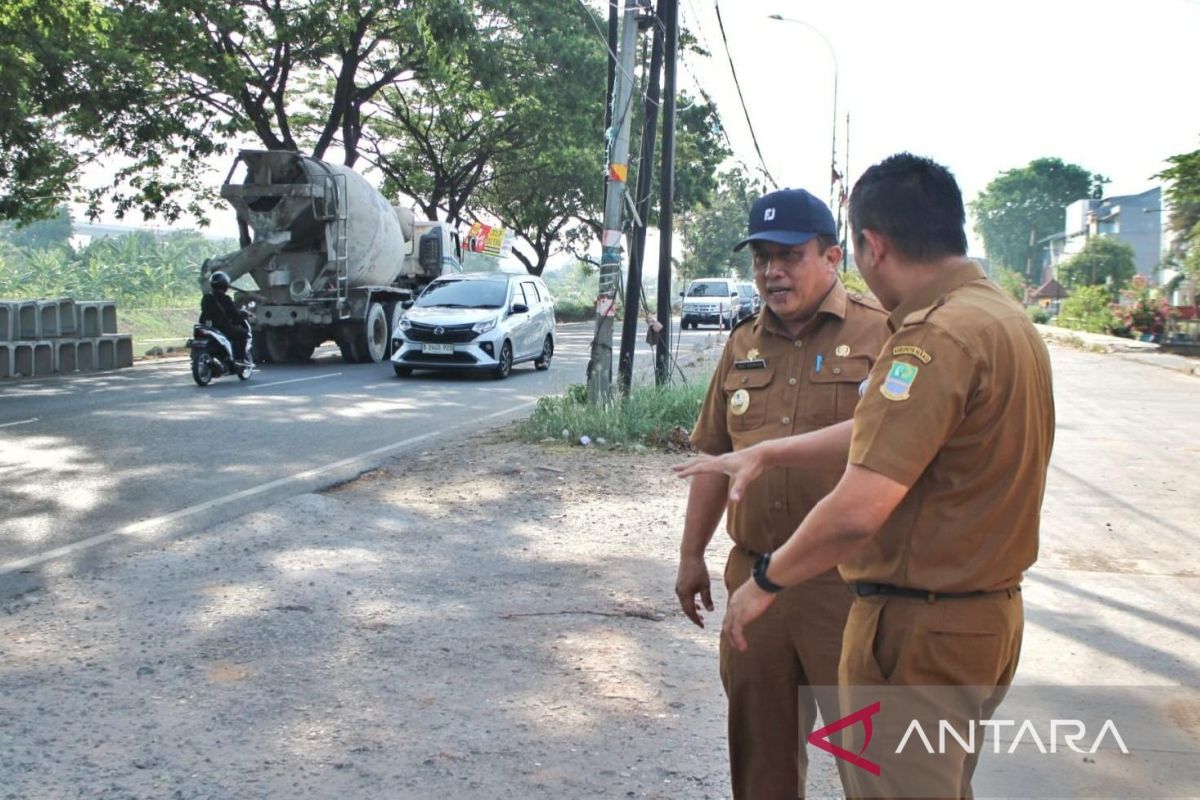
(1087, 309)
(1038, 315)
(650, 415)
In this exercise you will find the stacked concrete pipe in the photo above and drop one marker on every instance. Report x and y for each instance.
(54, 337)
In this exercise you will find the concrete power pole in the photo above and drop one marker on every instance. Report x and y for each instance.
(599, 370)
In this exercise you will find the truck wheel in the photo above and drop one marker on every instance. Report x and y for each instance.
(279, 345)
(301, 352)
(371, 338)
(392, 311)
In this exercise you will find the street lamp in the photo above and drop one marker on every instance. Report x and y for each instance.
(833, 138)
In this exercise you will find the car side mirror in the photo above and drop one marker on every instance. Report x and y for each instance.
(406, 304)
(520, 308)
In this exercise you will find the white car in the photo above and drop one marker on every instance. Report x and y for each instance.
(476, 321)
(710, 300)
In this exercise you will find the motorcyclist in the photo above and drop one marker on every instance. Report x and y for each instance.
(218, 312)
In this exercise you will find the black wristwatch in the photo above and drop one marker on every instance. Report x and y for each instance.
(760, 574)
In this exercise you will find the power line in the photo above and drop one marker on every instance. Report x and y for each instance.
(746, 111)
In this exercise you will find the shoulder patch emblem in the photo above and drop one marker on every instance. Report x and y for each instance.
(912, 350)
(898, 381)
(842, 350)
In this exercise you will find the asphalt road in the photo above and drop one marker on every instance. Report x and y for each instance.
(90, 462)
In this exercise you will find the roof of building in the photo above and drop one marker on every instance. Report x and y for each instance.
(1050, 290)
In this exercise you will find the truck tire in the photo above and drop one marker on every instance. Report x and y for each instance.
(393, 311)
(371, 337)
(300, 352)
(279, 345)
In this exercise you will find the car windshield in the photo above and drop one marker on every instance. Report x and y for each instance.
(708, 290)
(463, 294)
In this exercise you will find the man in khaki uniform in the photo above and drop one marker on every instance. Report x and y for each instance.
(796, 366)
(936, 518)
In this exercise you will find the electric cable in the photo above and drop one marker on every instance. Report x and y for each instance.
(741, 97)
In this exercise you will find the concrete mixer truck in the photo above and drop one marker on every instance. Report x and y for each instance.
(330, 257)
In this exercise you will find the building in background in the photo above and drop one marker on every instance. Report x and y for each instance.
(1135, 219)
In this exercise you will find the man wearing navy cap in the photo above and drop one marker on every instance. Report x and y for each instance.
(795, 367)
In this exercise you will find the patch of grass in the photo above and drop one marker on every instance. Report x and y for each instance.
(157, 327)
(649, 417)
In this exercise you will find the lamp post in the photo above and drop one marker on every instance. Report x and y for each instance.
(833, 137)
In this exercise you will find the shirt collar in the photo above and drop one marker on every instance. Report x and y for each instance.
(960, 273)
(834, 304)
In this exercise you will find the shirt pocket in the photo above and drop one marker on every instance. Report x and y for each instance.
(747, 389)
(833, 393)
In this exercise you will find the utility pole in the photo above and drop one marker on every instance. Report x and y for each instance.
(669, 12)
(645, 182)
(599, 369)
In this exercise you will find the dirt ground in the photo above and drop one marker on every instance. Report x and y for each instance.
(490, 619)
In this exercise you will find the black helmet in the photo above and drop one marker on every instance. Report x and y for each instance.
(219, 280)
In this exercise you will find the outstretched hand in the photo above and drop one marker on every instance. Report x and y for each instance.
(743, 466)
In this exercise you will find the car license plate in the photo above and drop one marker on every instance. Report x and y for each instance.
(438, 349)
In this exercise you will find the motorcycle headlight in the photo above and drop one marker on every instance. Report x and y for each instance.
(405, 324)
(484, 326)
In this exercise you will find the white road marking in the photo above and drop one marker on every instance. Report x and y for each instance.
(147, 526)
(22, 422)
(293, 380)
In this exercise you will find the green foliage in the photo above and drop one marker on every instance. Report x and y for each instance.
(1012, 282)
(1089, 308)
(709, 234)
(653, 416)
(54, 232)
(136, 270)
(1026, 204)
(1183, 198)
(1102, 261)
(853, 281)
(1038, 315)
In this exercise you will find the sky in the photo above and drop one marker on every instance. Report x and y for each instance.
(980, 87)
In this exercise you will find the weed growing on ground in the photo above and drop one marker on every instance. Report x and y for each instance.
(651, 416)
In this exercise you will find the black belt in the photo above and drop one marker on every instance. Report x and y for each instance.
(886, 589)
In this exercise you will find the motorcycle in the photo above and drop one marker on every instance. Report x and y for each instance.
(212, 354)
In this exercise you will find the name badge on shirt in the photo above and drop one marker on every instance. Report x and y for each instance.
(756, 363)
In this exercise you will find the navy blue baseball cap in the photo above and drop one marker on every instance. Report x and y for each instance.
(789, 217)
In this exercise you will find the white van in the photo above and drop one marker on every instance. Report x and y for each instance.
(710, 301)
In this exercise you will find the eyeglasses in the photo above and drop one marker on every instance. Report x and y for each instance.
(788, 258)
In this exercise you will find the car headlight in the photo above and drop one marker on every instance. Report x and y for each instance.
(484, 326)
(405, 324)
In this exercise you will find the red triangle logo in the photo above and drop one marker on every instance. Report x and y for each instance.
(820, 737)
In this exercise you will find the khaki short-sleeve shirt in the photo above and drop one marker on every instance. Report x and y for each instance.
(960, 408)
(768, 385)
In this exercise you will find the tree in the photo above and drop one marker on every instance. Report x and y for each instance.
(1183, 197)
(53, 232)
(1103, 261)
(710, 233)
(1023, 205)
(1013, 283)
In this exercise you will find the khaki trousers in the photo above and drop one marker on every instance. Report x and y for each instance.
(926, 647)
(794, 647)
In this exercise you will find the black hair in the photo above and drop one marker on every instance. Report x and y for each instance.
(913, 201)
(825, 241)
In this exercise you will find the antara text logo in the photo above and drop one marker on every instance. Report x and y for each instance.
(1061, 734)
(1061, 731)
